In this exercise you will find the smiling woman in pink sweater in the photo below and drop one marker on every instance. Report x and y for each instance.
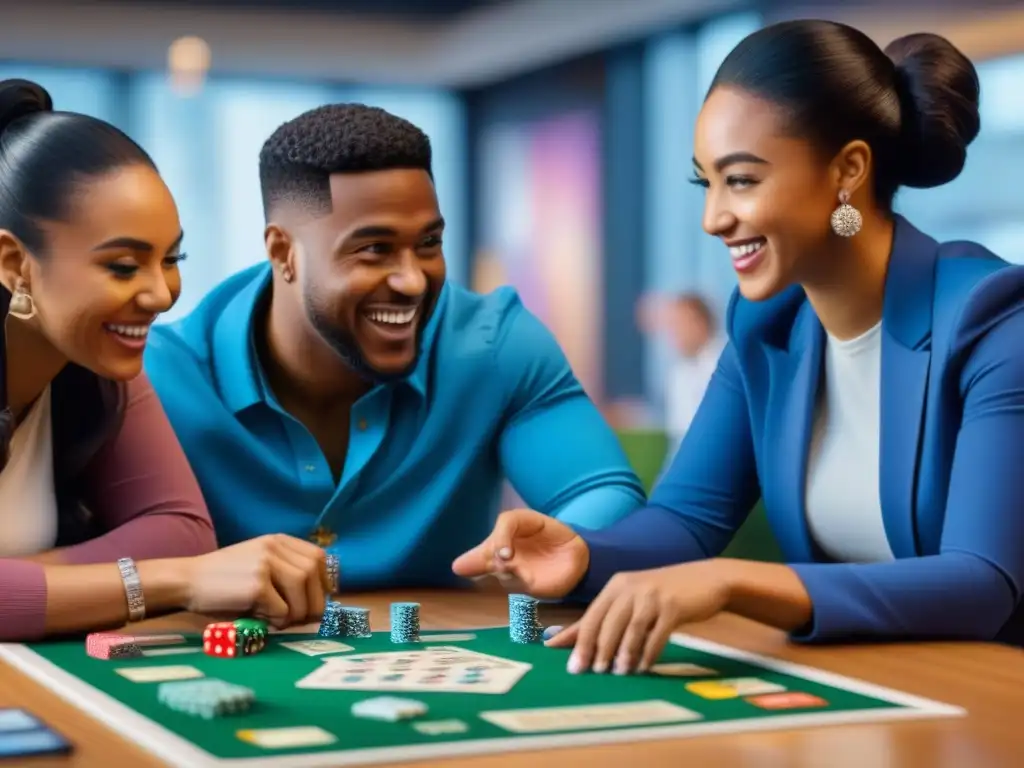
(101, 518)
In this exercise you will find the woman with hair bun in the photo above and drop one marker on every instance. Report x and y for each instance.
(101, 518)
(872, 391)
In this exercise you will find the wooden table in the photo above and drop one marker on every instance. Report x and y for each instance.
(986, 680)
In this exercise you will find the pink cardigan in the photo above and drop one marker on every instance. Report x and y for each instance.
(147, 499)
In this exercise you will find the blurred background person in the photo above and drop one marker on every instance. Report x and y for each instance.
(695, 341)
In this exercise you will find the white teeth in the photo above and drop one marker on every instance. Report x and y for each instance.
(740, 251)
(392, 318)
(134, 331)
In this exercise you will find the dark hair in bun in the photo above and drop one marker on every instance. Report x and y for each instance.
(46, 158)
(915, 104)
(20, 98)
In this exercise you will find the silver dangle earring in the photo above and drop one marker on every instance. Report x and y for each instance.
(22, 305)
(846, 220)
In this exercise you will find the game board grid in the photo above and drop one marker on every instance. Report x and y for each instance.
(178, 751)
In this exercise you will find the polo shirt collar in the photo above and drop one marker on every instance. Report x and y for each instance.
(236, 364)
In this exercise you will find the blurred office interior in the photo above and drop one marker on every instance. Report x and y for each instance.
(562, 132)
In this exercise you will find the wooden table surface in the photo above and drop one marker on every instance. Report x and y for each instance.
(986, 680)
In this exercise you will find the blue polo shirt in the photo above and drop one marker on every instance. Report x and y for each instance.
(492, 397)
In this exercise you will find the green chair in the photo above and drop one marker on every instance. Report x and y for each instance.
(647, 449)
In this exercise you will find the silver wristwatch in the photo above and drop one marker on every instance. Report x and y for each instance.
(132, 589)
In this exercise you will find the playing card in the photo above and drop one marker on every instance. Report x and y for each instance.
(440, 727)
(440, 669)
(733, 688)
(454, 638)
(317, 647)
(283, 738)
(548, 719)
(41, 741)
(169, 651)
(679, 669)
(159, 674)
(17, 720)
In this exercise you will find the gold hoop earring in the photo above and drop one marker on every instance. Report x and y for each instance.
(846, 220)
(22, 305)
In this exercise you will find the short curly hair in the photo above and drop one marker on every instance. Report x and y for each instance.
(298, 159)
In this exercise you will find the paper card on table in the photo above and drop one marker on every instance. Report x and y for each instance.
(733, 688)
(283, 738)
(547, 719)
(447, 670)
(317, 647)
(678, 669)
(169, 651)
(787, 700)
(159, 674)
(440, 727)
(452, 638)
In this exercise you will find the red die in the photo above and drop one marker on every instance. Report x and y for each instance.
(224, 639)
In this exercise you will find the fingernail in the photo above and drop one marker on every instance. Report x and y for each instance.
(621, 667)
(600, 667)
(574, 666)
(551, 632)
(504, 553)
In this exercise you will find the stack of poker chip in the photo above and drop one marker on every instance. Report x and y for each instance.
(405, 622)
(523, 624)
(355, 621)
(333, 574)
(111, 645)
(231, 639)
(207, 698)
(332, 624)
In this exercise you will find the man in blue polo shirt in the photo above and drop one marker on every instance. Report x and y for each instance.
(345, 392)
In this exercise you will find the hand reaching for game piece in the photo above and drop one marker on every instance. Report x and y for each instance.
(631, 620)
(277, 578)
(529, 552)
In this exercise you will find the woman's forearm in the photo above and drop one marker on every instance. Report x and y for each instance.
(766, 592)
(83, 597)
(40, 600)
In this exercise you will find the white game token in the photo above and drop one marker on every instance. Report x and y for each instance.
(389, 708)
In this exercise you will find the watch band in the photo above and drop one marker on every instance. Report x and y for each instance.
(132, 589)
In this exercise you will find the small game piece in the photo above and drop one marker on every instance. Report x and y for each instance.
(332, 622)
(389, 708)
(405, 622)
(110, 645)
(206, 698)
(523, 624)
(333, 574)
(231, 639)
(551, 632)
(356, 621)
(440, 727)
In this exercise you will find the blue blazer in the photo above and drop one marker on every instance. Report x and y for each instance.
(952, 454)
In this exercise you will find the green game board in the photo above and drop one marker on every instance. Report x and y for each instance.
(132, 708)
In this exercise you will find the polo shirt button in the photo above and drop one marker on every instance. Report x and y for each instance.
(311, 467)
(362, 425)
